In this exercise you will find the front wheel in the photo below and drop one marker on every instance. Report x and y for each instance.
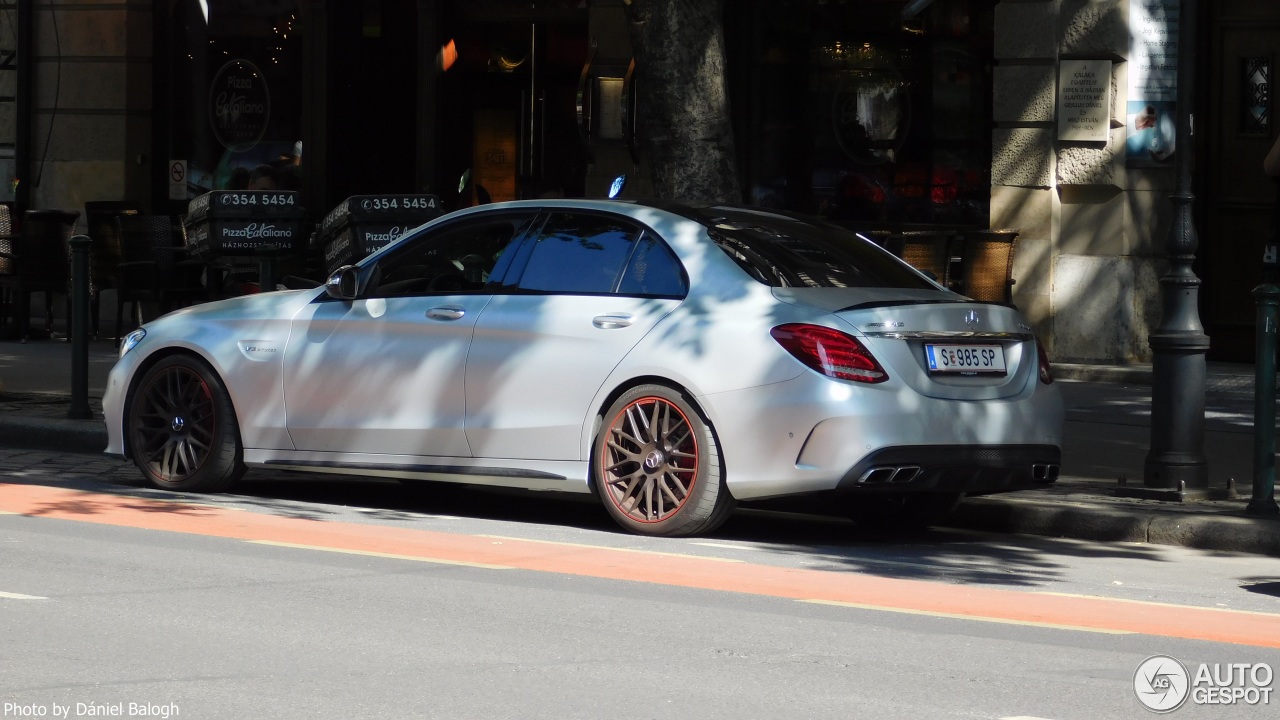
(656, 465)
(182, 428)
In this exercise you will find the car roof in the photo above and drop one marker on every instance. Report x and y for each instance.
(708, 214)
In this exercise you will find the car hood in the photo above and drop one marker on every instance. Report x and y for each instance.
(281, 304)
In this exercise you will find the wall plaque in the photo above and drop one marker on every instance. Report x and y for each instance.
(1084, 100)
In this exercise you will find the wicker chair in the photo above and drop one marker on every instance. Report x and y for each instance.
(100, 217)
(9, 280)
(926, 250)
(986, 269)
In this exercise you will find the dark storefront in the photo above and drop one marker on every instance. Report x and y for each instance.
(857, 111)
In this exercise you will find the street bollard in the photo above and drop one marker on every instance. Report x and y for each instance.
(79, 330)
(1264, 404)
(266, 268)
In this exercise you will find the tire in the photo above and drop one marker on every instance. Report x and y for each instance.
(182, 428)
(902, 512)
(656, 465)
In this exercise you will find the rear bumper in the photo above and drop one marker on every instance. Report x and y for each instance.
(948, 468)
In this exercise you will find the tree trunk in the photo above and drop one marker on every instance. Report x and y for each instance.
(683, 105)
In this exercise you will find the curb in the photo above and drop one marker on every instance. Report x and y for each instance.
(1087, 521)
(1115, 374)
(62, 435)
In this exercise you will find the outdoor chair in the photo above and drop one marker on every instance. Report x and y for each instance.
(8, 278)
(986, 269)
(39, 261)
(926, 250)
(154, 267)
(100, 218)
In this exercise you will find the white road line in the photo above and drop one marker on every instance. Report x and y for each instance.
(959, 616)
(20, 596)
(392, 556)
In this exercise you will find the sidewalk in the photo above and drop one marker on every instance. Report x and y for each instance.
(1107, 437)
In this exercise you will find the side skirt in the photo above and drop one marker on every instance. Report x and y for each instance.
(555, 476)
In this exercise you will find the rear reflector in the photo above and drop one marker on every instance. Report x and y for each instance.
(830, 352)
(1046, 372)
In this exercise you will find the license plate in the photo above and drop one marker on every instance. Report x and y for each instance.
(965, 359)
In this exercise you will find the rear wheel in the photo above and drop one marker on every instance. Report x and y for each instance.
(902, 511)
(657, 465)
(182, 428)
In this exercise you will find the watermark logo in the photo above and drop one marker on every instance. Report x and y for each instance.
(1161, 683)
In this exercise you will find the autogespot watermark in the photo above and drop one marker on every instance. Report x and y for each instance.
(1163, 684)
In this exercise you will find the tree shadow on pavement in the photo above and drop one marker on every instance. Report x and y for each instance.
(813, 541)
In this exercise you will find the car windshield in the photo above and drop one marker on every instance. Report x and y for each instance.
(782, 251)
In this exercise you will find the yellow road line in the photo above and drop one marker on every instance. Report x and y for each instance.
(613, 549)
(958, 616)
(391, 556)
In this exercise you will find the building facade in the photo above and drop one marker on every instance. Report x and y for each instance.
(1053, 117)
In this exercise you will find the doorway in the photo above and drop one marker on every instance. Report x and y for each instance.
(1239, 199)
(508, 112)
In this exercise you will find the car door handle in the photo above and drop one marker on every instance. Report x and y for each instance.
(446, 313)
(612, 322)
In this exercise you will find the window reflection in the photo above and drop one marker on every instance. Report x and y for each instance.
(861, 113)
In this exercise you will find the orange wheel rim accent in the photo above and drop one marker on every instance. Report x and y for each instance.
(649, 461)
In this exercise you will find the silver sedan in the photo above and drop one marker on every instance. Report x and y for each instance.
(670, 359)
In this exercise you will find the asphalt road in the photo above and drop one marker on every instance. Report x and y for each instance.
(353, 600)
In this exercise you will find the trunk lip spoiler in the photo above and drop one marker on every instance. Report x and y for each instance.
(951, 335)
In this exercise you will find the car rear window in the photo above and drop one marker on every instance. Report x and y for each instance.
(780, 251)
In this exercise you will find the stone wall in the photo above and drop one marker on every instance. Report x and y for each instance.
(1088, 263)
(91, 129)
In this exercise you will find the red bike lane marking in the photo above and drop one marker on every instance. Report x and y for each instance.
(855, 590)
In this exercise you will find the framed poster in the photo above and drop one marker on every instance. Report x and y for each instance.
(1151, 114)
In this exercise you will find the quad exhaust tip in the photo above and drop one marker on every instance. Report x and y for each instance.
(901, 474)
(1044, 472)
(890, 474)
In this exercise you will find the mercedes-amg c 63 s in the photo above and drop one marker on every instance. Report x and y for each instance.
(671, 359)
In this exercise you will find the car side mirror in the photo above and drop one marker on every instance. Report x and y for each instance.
(344, 283)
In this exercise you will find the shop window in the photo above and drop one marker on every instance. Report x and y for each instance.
(233, 80)
(865, 112)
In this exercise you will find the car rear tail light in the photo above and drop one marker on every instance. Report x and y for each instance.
(1046, 371)
(830, 352)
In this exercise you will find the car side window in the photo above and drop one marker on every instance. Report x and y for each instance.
(579, 253)
(653, 271)
(460, 258)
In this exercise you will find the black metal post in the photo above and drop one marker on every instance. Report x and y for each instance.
(267, 268)
(1264, 404)
(79, 409)
(1176, 466)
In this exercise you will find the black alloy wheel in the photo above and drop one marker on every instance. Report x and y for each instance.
(182, 427)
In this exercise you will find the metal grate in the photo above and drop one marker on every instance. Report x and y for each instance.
(1255, 96)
